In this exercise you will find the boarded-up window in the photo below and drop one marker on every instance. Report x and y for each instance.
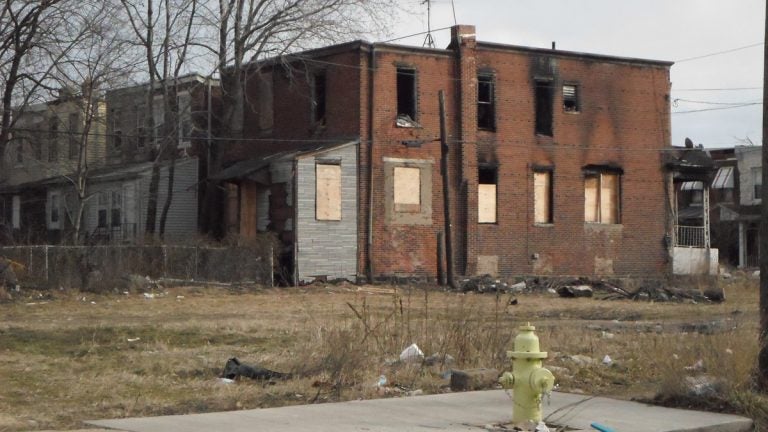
(407, 189)
(542, 196)
(328, 192)
(486, 195)
(601, 198)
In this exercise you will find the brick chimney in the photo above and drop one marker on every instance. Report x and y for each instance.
(463, 36)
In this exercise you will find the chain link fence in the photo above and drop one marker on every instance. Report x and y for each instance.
(76, 266)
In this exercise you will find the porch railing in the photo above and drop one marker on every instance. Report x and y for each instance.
(690, 236)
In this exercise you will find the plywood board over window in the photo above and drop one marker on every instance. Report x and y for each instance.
(328, 192)
(407, 185)
(609, 198)
(486, 194)
(542, 193)
(601, 198)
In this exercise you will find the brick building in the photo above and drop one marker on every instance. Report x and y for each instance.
(554, 164)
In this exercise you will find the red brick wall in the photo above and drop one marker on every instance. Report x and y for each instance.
(623, 121)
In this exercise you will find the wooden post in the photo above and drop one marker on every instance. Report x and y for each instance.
(762, 366)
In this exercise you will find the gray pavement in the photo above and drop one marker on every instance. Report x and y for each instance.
(469, 411)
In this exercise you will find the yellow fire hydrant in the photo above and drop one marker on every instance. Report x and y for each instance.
(528, 379)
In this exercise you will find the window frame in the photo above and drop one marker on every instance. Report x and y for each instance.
(599, 174)
(757, 183)
(74, 120)
(486, 78)
(319, 97)
(412, 110)
(337, 214)
(487, 175)
(550, 196)
(544, 89)
(53, 138)
(576, 98)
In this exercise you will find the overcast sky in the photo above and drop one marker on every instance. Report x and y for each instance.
(672, 30)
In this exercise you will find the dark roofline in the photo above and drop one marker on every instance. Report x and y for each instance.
(365, 46)
(571, 54)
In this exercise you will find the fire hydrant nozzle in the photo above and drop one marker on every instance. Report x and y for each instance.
(528, 379)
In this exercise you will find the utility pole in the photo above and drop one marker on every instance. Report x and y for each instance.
(762, 362)
(446, 193)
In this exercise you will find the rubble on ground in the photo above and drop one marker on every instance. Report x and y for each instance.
(603, 289)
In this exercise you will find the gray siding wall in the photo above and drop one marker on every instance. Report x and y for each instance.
(748, 158)
(327, 247)
(181, 224)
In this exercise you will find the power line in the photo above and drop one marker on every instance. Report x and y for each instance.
(718, 89)
(720, 52)
(717, 109)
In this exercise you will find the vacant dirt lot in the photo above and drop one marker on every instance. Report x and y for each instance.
(66, 357)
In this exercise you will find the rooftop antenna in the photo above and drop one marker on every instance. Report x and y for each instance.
(429, 41)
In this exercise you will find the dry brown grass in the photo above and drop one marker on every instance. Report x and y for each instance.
(64, 359)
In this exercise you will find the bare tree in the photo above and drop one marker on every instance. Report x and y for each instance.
(255, 29)
(28, 34)
(164, 30)
(102, 59)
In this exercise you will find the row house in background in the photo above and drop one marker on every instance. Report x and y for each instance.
(184, 135)
(38, 197)
(554, 161)
(46, 147)
(735, 194)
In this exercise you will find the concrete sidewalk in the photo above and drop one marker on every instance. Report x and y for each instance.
(469, 411)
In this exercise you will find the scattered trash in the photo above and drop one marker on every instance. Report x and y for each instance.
(404, 120)
(703, 385)
(518, 287)
(93, 302)
(729, 351)
(483, 284)
(607, 360)
(606, 335)
(575, 291)
(382, 381)
(601, 428)
(412, 354)
(513, 302)
(699, 365)
(226, 381)
(417, 392)
(474, 379)
(133, 339)
(582, 360)
(179, 297)
(149, 295)
(434, 359)
(541, 427)
(234, 369)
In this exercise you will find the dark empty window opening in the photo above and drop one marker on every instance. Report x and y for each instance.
(487, 194)
(318, 98)
(570, 98)
(406, 93)
(486, 107)
(544, 108)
